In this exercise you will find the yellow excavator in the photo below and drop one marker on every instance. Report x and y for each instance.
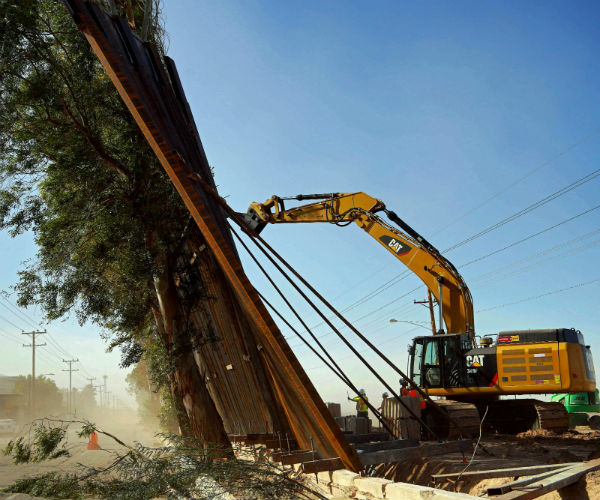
(471, 372)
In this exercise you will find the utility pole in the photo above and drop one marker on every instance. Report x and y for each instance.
(99, 386)
(33, 345)
(105, 398)
(429, 303)
(91, 381)
(70, 370)
(107, 394)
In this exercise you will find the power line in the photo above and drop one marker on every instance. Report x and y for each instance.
(9, 337)
(542, 262)
(520, 179)
(522, 240)
(579, 182)
(585, 283)
(15, 310)
(23, 317)
(10, 322)
(564, 244)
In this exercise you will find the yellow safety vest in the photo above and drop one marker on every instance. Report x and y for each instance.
(361, 403)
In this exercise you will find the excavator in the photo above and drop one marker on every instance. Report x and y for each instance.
(471, 374)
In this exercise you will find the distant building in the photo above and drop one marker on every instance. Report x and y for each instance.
(12, 405)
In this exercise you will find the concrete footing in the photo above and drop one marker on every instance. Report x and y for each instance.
(346, 484)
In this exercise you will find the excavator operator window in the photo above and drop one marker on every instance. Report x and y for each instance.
(441, 365)
(416, 354)
(453, 367)
(432, 370)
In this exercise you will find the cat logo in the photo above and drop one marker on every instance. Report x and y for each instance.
(475, 360)
(394, 245)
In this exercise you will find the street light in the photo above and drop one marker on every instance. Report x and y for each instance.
(409, 322)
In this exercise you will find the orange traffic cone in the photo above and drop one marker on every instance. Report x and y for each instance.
(93, 444)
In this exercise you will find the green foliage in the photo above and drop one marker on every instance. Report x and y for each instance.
(48, 398)
(86, 430)
(76, 171)
(84, 399)
(49, 485)
(182, 469)
(48, 442)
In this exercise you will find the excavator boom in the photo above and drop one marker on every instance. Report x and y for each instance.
(408, 246)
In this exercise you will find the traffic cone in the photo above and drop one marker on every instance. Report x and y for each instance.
(93, 444)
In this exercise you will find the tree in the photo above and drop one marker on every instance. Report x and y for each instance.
(48, 399)
(155, 404)
(84, 400)
(77, 172)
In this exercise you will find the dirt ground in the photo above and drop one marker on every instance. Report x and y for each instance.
(501, 451)
(124, 425)
(498, 451)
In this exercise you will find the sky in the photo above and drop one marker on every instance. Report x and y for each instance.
(456, 115)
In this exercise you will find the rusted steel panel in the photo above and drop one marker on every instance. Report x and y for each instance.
(278, 455)
(162, 113)
(322, 465)
(297, 457)
(281, 443)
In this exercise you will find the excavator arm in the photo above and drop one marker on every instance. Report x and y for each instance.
(416, 253)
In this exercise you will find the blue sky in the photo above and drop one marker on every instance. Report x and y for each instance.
(432, 107)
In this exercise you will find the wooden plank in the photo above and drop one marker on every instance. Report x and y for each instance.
(367, 438)
(276, 444)
(425, 450)
(297, 457)
(277, 455)
(556, 482)
(387, 445)
(258, 438)
(507, 472)
(326, 464)
(517, 485)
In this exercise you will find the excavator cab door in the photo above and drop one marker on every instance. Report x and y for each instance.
(437, 362)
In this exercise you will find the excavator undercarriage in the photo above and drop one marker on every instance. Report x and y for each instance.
(507, 416)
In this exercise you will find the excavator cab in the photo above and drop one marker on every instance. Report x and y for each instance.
(438, 362)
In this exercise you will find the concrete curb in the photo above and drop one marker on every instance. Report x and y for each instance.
(344, 483)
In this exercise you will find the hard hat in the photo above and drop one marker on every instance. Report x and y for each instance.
(363, 392)
(403, 382)
(385, 395)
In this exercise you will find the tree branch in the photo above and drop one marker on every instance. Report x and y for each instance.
(113, 164)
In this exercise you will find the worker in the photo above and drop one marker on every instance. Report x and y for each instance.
(403, 387)
(416, 394)
(384, 397)
(362, 410)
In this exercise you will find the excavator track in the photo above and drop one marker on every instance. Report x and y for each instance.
(551, 416)
(465, 414)
(512, 416)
